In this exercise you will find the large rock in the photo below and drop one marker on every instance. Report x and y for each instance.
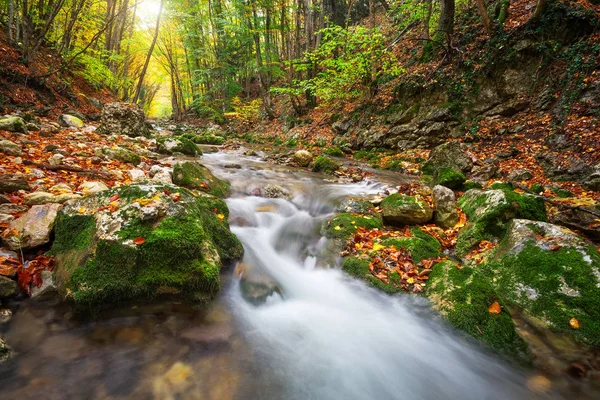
(178, 144)
(444, 203)
(70, 121)
(12, 182)
(154, 241)
(33, 228)
(325, 164)
(123, 119)
(13, 124)
(275, 192)
(10, 149)
(399, 209)
(580, 220)
(120, 154)
(448, 155)
(194, 175)
(303, 158)
(559, 168)
(8, 287)
(489, 211)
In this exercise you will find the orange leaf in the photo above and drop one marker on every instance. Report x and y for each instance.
(574, 323)
(495, 308)
(114, 197)
(139, 240)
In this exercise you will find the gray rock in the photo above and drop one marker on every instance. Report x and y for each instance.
(9, 208)
(38, 198)
(8, 287)
(34, 227)
(161, 174)
(579, 220)
(48, 287)
(4, 199)
(275, 192)
(561, 169)
(520, 175)
(13, 124)
(136, 174)
(10, 149)
(90, 188)
(5, 218)
(232, 166)
(444, 203)
(484, 173)
(508, 109)
(123, 119)
(70, 121)
(449, 155)
(120, 154)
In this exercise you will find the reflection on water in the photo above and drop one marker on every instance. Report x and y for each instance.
(318, 334)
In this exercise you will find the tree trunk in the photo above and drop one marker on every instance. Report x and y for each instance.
(145, 68)
(446, 23)
(485, 18)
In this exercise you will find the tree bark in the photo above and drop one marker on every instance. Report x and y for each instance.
(150, 50)
(485, 18)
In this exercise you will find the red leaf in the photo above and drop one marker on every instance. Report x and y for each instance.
(114, 197)
(139, 240)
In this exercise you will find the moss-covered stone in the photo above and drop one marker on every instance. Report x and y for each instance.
(334, 151)
(468, 185)
(489, 211)
(359, 268)
(448, 155)
(463, 296)
(400, 209)
(163, 242)
(120, 154)
(420, 245)
(177, 144)
(344, 225)
(537, 188)
(205, 138)
(449, 177)
(13, 124)
(501, 186)
(325, 165)
(194, 175)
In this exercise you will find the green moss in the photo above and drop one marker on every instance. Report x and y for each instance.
(206, 138)
(553, 286)
(398, 200)
(563, 193)
(463, 297)
(449, 177)
(186, 146)
(420, 245)
(325, 164)
(360, 269)
(342, 226)
(334, 151)
(537, 188)
(468, 185)
(502, 186)
(196, 176)
(73, 232)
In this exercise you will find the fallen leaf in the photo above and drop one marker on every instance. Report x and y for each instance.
(221, 217)
(574, 323)
(81, 210)
(378, 247)
(139, 240)
(494, 308)
(114, 197)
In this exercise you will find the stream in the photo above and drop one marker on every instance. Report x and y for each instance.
(320, 335)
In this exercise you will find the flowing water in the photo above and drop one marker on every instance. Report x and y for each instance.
(320, 335)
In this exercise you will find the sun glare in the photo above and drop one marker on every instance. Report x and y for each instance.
(147, 10)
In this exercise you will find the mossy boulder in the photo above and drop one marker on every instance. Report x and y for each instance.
(206, 138)
(448, 155)
(344, 225)
(356, 206)
(70, 121)
(193, 175)
(449, 177)
(400, 209)
(325, 165)
(151, 241)
(120, 154)
(489, 211)
(13, 124)
(463, 295)
(178, 144)
(10, 148)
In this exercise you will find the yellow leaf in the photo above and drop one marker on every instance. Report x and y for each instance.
(221, 217)
(353, 222)
(410, 281)
(143, 202)
(337, 228)
(81, 210)
(574, 323)
(378, 247)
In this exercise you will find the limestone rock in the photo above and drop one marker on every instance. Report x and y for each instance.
(13, 124)
(12, 183)
(70, 121)
(178, 144)
(399, 209)
(303, 158)
(449, 155)
(120, 154)
(194, 175)
(90, 188)
(10, 149)
(444, 203)
(275, 192)
(34, 227)
(38, 198)
(123, 119)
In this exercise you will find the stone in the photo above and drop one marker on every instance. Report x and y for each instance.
(70, 121)
(6, 218)
(563, 169)
(520, 175)
(444, 203)
(232, 166)
(399, 209)
(38, 198)
(272, 191)
(484, 173)
(163, 242)
(448, 177)
(578, 220)
(4, 199)
(63, 198)
(10, 149)
(13, 124)
(12, 182)
(161, 174)
(91, 188)
(33, 227)
(5, 351)
(123, 119)
(177, 145)
(508, 109)
(48, 130)
(193, 175)
(48, 287)
(50, 148)
(9, 208)
(136, 174)
(56, 159)
(119, 154)
(448, 155)
(5, 315)
(303, 158)
(325, 165)
(60, 188)
(8, 287)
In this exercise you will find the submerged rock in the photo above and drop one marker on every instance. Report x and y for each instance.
(399, 209)
(193, 175)
(275, 192)
(8, 287)
(123, 119)
(158, 241)
(325, 164)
